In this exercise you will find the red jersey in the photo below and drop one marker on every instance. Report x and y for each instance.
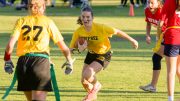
(152, 18)
(172, 35)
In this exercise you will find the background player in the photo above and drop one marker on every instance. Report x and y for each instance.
(153, 15)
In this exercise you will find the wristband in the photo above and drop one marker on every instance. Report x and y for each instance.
(7, 56)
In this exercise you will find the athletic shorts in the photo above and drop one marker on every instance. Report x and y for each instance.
(33, 73)
(100, 58)
(171, 50)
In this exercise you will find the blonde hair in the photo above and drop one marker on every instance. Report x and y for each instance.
(160, 3)
(36, 7)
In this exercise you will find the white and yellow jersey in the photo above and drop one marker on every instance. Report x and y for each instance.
(34, 33)
(97, 38)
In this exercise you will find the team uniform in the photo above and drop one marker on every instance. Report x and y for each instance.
(33, 34)
(98, 42)
(171, 35)
(154, 20)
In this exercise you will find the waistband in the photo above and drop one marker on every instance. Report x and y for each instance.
(39, 54)
(92, 52)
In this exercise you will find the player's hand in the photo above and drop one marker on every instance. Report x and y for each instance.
(8, 67)
(82, 47)
(69, 66)
(134, 44)
(148, 39)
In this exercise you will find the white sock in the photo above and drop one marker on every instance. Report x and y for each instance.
(170, 98)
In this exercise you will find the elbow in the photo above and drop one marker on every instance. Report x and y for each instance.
(66, 50)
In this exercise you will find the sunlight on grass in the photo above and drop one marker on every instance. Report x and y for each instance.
(129, 68)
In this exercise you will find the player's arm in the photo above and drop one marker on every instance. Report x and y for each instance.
(127, 37)
(148, 35)
(159, 28)
(8, 67)
(9, 48)
(65, 50)
(73, 43)
(14, 37)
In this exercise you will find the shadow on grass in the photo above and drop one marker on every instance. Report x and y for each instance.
(67, 34)
(118, 44)
(66, 92)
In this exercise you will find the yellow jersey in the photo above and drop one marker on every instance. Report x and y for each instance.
(34, 34)
(97, 39)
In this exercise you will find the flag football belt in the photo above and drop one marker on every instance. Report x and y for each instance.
(171, 27)
(158, 43)
(53, 78)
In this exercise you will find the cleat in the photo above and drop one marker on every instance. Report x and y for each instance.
(92, 95)
(148, 87)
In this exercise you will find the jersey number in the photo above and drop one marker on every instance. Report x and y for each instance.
(28, 29)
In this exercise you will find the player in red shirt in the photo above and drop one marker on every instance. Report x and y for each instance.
(153, 15)
(171, 12)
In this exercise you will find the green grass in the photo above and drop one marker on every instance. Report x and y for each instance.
(128, 69)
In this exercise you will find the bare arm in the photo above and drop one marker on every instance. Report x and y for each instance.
(9, 48)
(148, 35)
(127, 37)
(65, 50)
(8, 66)
(159, 29)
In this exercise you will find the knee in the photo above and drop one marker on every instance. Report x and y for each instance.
(87, 74)
(156, 61)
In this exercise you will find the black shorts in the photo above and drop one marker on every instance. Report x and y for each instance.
(171, 50)
(100, 58)
(33, 73)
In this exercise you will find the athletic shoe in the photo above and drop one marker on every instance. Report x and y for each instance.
(92, 95)
(148, 87)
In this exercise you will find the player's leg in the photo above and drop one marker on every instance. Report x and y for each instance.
(39, 95)
(171, 53)
(178, 68)
(28, 95)
(157, 57)
(171, 71)
(89, 72)
(86, 84)
(89, 75)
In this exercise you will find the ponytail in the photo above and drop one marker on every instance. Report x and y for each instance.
(79, 21)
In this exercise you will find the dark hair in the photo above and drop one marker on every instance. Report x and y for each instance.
(88, 9)
(85, 9)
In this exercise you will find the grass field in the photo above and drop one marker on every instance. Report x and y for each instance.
(128, 69)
